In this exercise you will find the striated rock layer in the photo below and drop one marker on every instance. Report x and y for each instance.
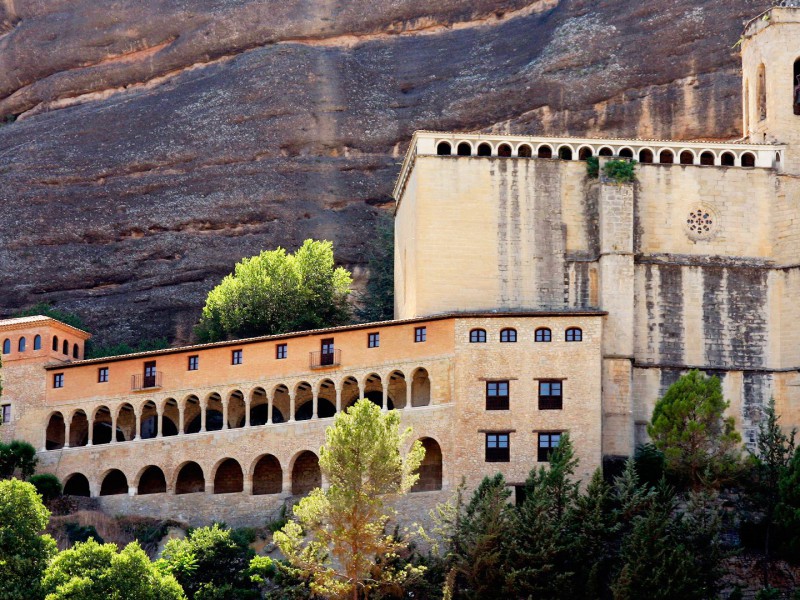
(158, 142)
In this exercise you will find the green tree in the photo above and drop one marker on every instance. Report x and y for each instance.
(17, 459)
(348, 551)
(90, 570)
(24, 553)
(787, 512)
(276, 292)
(47, 486)
(700, 445)
(377, 303)
(48, 310)
(210, 563)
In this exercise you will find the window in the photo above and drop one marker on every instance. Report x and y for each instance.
(373, 340)
(6, 346)
(55, 343)
(58, 380)
(477, 336)
(194, 363)
(508, 335)
(543, 334)
(326, 352)
(420, 334)
(497, 449)
(22, 345)
(550, 397)
(102, 375)
(75, 351)
(547, 442)
(281, 351)
(6, 413)
(574, 334)
(37, 342)
(236, 357)
(497, 395)
(150, 374)
(65, 348)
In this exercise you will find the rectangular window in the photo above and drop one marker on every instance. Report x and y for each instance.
(6, 413)
(497, 395)
(548, 442)
(550, 397)
(149, 374)
(326, 352)
(236, 357)
(281, 351)
(58, 380)
(194, 363)
(102, 375)
(420, 334)
(373, 340)
(497, 447)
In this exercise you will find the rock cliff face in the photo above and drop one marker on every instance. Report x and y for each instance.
(158, 142)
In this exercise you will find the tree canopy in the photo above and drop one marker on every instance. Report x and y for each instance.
(277, 292)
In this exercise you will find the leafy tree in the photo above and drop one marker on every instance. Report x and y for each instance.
(276, 292)
(17, 458)
(348, 552)
(649, 462)
(48, 310)
(47, 485)
(210, 563)
(787, 512)
(91, 570)
(93, 351)
(24, 553)
(700, 445)
(378, 300)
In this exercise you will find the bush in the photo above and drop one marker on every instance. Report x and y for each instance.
(47, 310)
(77, 534)
(123, 348)
(593, 167)
(17, 459)
(47, 485)
(621, 171)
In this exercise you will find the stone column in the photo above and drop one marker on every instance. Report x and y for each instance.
(90, 435)
(137, 424)
(385, 399)
(270, 398)
(209, 489)
(160, 412)
(314, 403)
(67, 425)
(338, 400)
(325, 483)
(286, 488)
(202, 417)
(225, 404)
(114, 427)
(292, 393)
(181, 412)
(247, 413)
(361, 392)
(408, 394)
(133, 490)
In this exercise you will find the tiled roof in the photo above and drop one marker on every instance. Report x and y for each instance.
(18, 322)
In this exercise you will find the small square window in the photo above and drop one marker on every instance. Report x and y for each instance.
(6, 413)
(281, 351)
(574, 334)
(373, 340)
(550, 395)
(508, 335)
(497, 395)
(420, 334)
(236, 357)
(194, 363)
(543, 334)
(102, 375)
(58, 380)
(547, 443)
(497, 447)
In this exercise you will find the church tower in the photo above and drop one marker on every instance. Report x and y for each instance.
(771, 81)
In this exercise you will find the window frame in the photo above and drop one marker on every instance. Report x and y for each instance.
(237, 357)
(58, 380)
(510, 334)
(543, 452)
(193, 363)
(477, 336)
(281, 351)
(7, 346)
(102, 375)
(494, 399)
(3, 409)
(545, 337)
(570, 333)
(420, 334)
(546, 401)
(22, 344)
(374, 339)
(37, 342)
(497, 453)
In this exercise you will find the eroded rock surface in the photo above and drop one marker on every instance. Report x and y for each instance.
(158, 142)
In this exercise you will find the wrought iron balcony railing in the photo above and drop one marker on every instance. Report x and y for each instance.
(146, 382)
(321, 360)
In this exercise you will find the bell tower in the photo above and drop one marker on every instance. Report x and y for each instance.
(771, 80)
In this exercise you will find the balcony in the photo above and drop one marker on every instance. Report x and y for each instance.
(146, 382)
(323, 360)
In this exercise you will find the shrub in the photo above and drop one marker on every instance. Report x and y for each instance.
(17, 459)
(593, 167)
(77, 534)
(47, 485)
(621, 171)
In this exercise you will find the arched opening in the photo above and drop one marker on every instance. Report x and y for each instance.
(77, 485)
(666, 157)
(525, 151)
(565, 153)
(55, 343)
(75, 351)
(504, 150)
(484, 149)
(305, 473)
(777, 159)
(236, 410)
(430, 471)
(114, 483)
(646, 156)
(325, 410)
(420, 388)
(152, 481)
(303, 401)
(748, 159)
(762, 92)
(373, 391)
(626, 153)
(126, 423)
(78, 429)
(149, 420)
(171, 418)
(54, 435)
(444, 149)
(686, 158)
(259, 407)
(22, 344)
(214, 412)
(545, 151)
(464, 149)
(37, 342)
(398, 389)
(267, 476)
(65, 348)
(6, 346)
(190, 479)
(229, 478)
(796, 87)
(584, 153)
(281, 404)
(101, 426)
(727, 159)
(326, 400)
(350, 392)
(606, 151)
(191, 414)
(707, 158)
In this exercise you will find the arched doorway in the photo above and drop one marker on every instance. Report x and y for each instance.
(152, 481)
(54, 435)
(420, 388)
(430, 471)
(190, 479)
(114, 483)
(229, 478)
(77, 485)
(267, 476)
(306, 474)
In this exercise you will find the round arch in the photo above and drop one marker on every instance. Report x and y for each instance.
(228, 476)
(55, 432)
(306, 474)
(114, 483)
(77, 484)
(189, 478)
(430, 470)
(267, 475)
(151, 480)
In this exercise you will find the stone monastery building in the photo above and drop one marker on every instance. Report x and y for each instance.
(531, 300)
